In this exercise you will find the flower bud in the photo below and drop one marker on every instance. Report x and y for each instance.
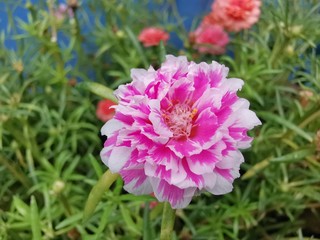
(15, 99)
(296, 30)
(281, 24)
(14, 145)
(305, 97)
(18, 66)
(120, 34)
(28, 5)
(58, 187)
(289, 50)
(3, 118)
(48, 89)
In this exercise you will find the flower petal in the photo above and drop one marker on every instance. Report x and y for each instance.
(118, 158)
(206, 161)
(181, 90)
(136, 181)
(174, 67)
(205, 130)
(162, 155)
(232, 159)
(207, 101)
(192, 179)
(159, 126)
(110, 127)
(178, 198)
(223, 184)
(184, 147)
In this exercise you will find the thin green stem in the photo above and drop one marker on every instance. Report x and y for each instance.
(14, 169)
(65, 204)
(97, 192)
(167, 223)
(54, 34)
(238, 49)
(311, 118)
(146, 222)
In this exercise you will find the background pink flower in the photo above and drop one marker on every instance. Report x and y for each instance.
(210, 38)
(63, 11)
(103, 111)
(152, 36)
(177, 131)
(235, 15)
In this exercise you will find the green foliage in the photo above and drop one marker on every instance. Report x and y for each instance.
(49, 135)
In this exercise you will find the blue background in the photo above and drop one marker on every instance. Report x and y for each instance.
(194, 8)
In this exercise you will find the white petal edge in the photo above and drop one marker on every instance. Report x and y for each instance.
(119, 156)
(110, 127)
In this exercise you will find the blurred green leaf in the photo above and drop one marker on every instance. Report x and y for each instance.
(294, 156)
(137, 45)
(70, 221)
(272, 117)
(126, 214)
(35, 220)
(99, 90)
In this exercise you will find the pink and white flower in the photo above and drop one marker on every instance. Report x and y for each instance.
(63, 11)
(177, 131)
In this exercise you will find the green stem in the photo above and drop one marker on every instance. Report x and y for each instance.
(311, 118)
(97, 192)
(146, 222)
(14, 169)
(238, 49)
(167, 223)
(65, 204)
(50, 4)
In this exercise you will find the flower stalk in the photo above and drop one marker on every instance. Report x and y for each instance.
(168, 217)
(146, 222)
(97, 192)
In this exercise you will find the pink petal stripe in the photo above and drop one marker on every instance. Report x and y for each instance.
(184, 147)
(178, 198)
(204, 131)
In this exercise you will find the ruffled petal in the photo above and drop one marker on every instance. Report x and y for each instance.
(223, 183)
(232, 159)
(142, 78)
(156, 118)
(205, 129)
(207, 101)
(181, 91)
(110, 127)
(246, 118)
(162, 155)
(206, 161)
(136, 182)
(231, 85)
(171, 176)
(184, 147)
(178, 198)
(118, 158)
(192, 179)
(174, 67)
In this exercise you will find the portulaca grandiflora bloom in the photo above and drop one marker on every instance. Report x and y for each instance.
(177, 131)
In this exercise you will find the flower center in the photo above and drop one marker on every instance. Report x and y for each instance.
(178, 118)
